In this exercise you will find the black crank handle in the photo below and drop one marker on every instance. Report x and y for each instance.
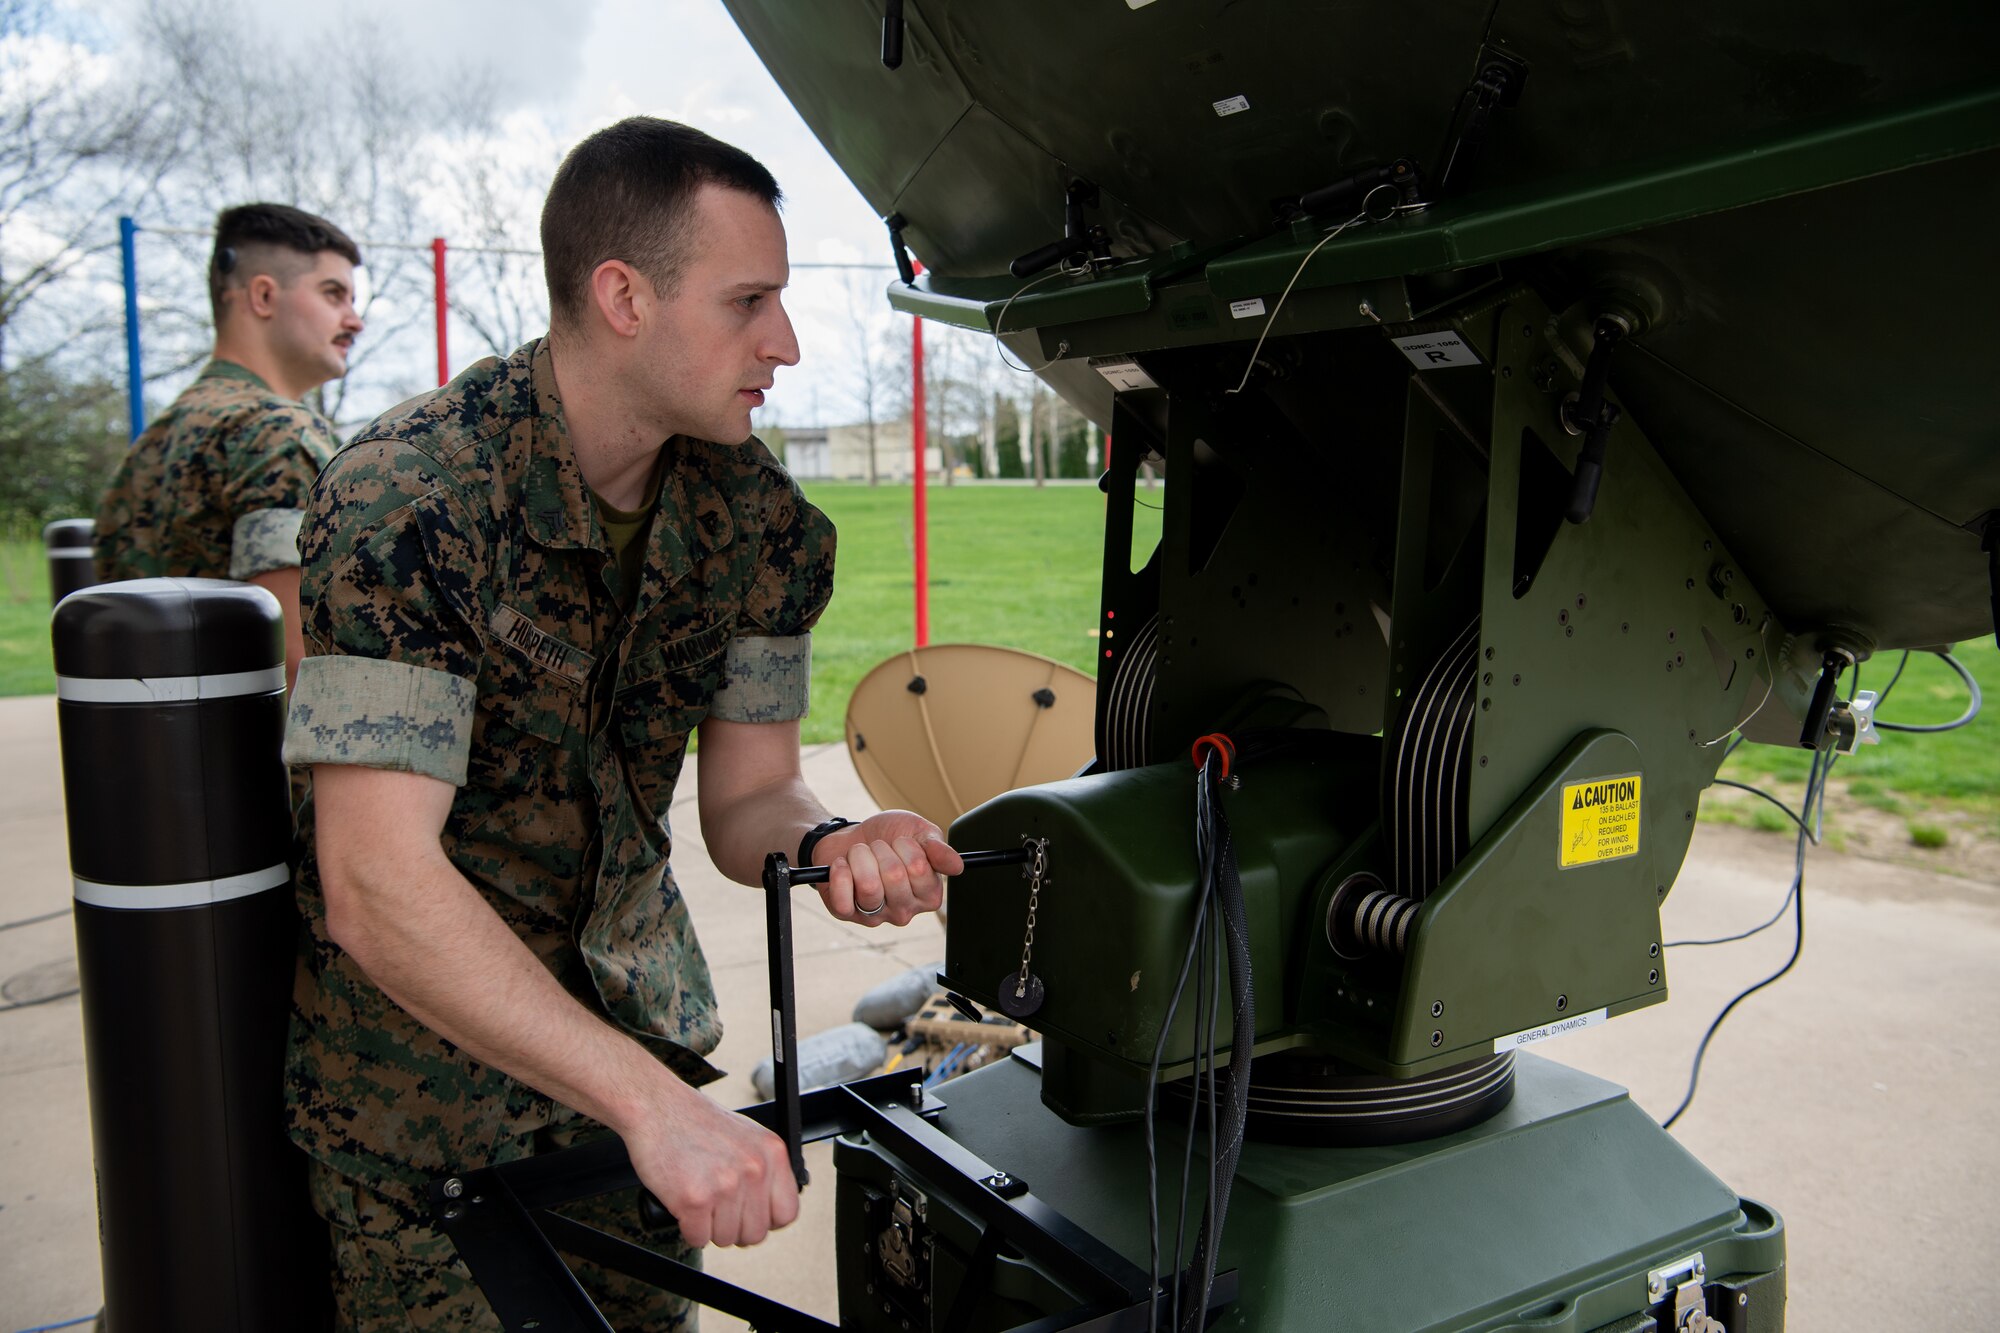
(1007, 856)
(780, 875)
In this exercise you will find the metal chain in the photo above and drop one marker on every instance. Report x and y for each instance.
(1036, 870)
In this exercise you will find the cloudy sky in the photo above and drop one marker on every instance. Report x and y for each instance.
(557, 71)
(581, 64)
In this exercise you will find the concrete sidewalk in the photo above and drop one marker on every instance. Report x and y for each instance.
(1854, 1096)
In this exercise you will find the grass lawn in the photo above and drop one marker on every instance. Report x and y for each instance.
(1018, 566)
(1010, 565)
(25, 667)
(1907, 774)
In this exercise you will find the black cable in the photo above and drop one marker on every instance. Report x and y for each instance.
(1204, 1022)
(1152, 1102)
(1203, 851)
(1759, 791)
(1204, 1031)
(1795, 897)
(1220, 883)
(1816, 779)
(1798, 947)
(35, 920)
(1243, 1040)
(1815, 790)
(1204, 996)
(1215, 990)
(1894, 676)
(1203, 1086)
(1201, 1097)
(1227, 885)
(1975, 702)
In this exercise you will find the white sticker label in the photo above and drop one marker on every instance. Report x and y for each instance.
(1247, 309)
(1137, 4)
(1560, 1027)
(1122, 372)
(1428, 351)
(1229, 106)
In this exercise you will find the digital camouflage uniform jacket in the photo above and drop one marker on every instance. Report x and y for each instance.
(216, 486)
(461, 622)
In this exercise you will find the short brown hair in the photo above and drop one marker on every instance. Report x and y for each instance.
(241, 233)
(627, 193)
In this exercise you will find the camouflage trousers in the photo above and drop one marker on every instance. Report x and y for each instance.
(394, 1274)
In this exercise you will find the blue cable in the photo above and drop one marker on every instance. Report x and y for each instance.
(67, 1323)
(946, 1065)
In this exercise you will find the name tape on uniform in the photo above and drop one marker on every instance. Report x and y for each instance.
(539, 646)
(1600, 821)
(1434, 351)
(1558, 1028)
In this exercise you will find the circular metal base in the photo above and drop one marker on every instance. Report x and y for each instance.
(1315, 1100)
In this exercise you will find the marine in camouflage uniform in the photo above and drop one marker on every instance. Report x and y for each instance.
(216, 487)
(462, 615)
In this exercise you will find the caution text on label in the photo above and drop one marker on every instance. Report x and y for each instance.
(1600, 821)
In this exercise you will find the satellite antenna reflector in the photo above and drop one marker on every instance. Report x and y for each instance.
(942, 729)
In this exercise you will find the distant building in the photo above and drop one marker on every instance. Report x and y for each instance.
(806, 453)
(845, 451)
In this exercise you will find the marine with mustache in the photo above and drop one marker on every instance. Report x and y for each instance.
(216, 487)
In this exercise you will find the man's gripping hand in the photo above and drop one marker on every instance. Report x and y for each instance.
(887, 869)
(435, 946)
(725, 1178)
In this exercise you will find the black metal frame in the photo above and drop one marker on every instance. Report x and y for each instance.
(502, 1218)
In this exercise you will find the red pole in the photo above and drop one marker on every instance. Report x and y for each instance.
(920, 517)
(437, 281)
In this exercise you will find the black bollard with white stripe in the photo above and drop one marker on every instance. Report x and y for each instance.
(71, 544)
(172, 705)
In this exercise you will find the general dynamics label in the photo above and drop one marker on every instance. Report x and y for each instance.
(1560, 1027)
(1600, 821)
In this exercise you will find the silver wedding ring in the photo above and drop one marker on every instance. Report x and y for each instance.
(876, 910)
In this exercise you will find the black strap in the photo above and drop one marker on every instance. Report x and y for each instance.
(815, 833)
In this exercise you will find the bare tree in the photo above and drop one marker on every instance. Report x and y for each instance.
(940, 394)
(865, 374)
(959, 375)
(1038, 434)
(497, 287)
(78, 147)
(260, 120)
(879, 353)
(989, 442)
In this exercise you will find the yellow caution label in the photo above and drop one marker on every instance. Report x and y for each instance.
(1600, 821)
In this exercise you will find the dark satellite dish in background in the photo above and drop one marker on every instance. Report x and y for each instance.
(942, 729)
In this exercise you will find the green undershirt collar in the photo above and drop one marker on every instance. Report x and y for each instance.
(626, 531)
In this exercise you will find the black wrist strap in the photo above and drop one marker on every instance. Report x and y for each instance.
(815, 833)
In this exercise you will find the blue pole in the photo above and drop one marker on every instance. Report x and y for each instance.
(135, 381)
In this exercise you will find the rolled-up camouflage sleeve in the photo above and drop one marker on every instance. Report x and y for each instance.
(269, 471)
(264, 540)
(390, 679)
(768, 668)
